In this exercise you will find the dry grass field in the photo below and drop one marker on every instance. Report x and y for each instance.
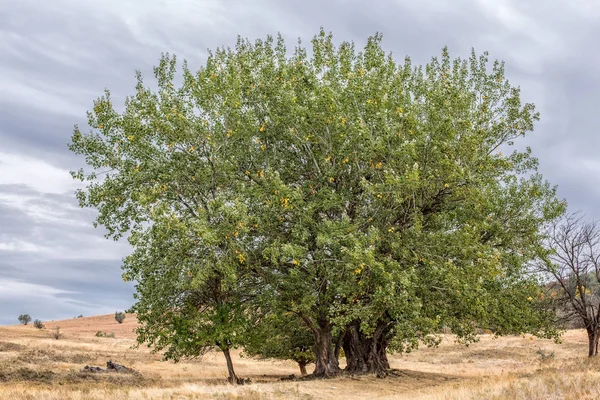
(33, 365)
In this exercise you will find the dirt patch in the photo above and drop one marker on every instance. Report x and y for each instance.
(41, 356)
(134, 379)
(9, 346)
(74, 378)
(26, 374)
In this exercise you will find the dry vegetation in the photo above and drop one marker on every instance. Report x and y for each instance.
(35, 366)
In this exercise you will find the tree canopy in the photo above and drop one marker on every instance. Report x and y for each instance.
(372, 201)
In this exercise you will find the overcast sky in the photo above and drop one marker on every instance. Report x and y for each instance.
(57, 56)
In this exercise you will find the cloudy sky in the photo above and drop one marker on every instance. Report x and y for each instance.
(57, 56)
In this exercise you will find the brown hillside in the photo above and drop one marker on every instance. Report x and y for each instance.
(81, 327)
(33, 365)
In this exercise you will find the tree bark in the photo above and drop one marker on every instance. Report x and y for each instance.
(593, 336)
(232, 376)
(326, 363)
(366, 355)
(302, 369)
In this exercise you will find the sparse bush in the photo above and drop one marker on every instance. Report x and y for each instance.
(38, 324)
(545, 356)
(24, 319)
(119, 316)
(80, 316)
(105, 334)
(56, 334)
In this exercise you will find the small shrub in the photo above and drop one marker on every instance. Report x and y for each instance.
(38, 324)
(545, 356)
(24, 319)
(80, 316)
(105, 334)
(56, 333)
(119, 316)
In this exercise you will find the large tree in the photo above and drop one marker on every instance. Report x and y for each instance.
(367, 198)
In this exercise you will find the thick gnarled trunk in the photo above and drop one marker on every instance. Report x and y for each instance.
(366, 355)
(326, 363)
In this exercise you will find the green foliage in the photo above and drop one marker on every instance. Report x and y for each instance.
(339, 187)
(24, 318)
(38, 324)
(120, 316)
(281, 337)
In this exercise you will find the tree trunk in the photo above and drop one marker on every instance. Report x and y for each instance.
(593, 336)
(232, 376)
(302, 368)
(366, 355)
(326, 363)
(338, 345)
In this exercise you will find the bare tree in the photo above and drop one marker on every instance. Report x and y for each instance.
(573, 261)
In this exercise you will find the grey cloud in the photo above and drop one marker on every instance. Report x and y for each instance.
(58, 56)
(50, 244)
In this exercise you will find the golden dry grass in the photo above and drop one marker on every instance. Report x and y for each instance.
(35, 366)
